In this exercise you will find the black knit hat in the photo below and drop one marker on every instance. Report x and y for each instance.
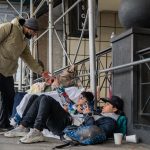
(115, 101)
(32, 23)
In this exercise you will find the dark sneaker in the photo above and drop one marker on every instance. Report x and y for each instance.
(3, 129)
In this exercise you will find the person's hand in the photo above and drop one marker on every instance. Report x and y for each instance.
(65, 108)
(80, 109)
(55, 83)
(49, 79)
(46, 74)
(86, 109)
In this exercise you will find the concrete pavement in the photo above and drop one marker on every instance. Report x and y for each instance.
(13, 144)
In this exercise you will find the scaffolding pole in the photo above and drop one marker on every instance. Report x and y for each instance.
(91, 8)
(64, 34)
(20, 61)
(67, 11)
(50, 45)
(31, 43)
(13, 8)
(38, 8)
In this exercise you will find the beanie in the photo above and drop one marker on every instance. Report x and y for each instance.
(31, 23)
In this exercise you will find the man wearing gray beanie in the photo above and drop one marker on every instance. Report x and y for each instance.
(13, 45)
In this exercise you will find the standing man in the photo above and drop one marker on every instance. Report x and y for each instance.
(13, 44)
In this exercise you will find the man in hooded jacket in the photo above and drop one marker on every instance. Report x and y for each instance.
(13, 45)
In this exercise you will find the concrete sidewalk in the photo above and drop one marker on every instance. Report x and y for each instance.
(13, 144)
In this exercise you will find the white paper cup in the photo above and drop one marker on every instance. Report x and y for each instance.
(131, 138)
(118, 138)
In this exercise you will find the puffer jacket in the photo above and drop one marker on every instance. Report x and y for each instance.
(13, 46)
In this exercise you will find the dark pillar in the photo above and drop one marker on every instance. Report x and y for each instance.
(126, 81)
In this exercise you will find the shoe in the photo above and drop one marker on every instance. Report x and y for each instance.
(33, 136)
(4, 129)
(17, 132)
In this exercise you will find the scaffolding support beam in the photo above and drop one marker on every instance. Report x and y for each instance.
(31, 43)
(82, 33)
(63, 47)
(20, 61)
(67, 11)
(50, 33)
(64, 34)
(92, 55)
(38, 8)
(13, 8)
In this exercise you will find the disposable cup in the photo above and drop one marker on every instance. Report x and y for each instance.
(131, 138)
(118, 138)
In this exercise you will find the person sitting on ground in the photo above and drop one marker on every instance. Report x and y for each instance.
(101, 127)
(46, 112)
(65, 79)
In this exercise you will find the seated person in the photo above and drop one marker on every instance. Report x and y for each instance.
(46, 112)
(73, 93)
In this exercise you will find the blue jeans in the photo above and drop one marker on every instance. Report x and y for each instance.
(17, 99)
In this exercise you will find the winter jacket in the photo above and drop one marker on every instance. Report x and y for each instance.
(108, 125)
(13, 46)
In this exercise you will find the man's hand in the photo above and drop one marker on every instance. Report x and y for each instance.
(49, 79)
(46, 74)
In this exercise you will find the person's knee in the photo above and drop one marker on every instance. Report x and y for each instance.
(38, 99)
(41, 97)
(47, 99)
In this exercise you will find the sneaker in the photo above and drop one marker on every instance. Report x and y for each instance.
(33, 136)
(2, 130)
(17, 132)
